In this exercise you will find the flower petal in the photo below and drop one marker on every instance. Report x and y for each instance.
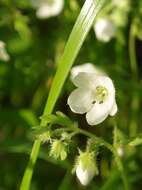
(99, 112)
(87, 68)
(46, 10)
(114, 109)
(84, 176)
(80, 100)
(85, 80)
(106, 82)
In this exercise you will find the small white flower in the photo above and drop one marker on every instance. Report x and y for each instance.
(120, 151)
(104, 29)
(86, 167)
(48, 8)
(86, 67)
(95, 95)
(3, 53)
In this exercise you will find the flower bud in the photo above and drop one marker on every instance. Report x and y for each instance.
(86, 167)
(3, 53)
(104, 29)
(58, 150)
(120, 151)
(45, 137)
(47, 8)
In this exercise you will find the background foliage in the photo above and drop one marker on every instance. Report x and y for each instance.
(35, 47)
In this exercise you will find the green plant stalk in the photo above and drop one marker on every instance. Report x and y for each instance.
(134, 70)
(76, 39)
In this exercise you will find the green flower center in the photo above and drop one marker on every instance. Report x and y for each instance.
(101, 94)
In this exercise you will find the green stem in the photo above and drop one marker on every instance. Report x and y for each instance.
(29, 169)
(132, 52)
(134, 70)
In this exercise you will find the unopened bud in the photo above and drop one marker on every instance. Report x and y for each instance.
(86, 167)
(58, 150)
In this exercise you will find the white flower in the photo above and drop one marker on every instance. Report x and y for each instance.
(3, 53)
(86, 167)
(84, 176)
(104, 29)
(120, 151)
(95, 95)
(86, 67)
(48, 8)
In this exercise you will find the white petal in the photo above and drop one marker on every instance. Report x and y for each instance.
(87, 68)
(84, 176)
(46, 10)
(85, 80)
(106, 82)
(80, 100)
(3, 52)
(114, 109)
(99, 112)
(104, 29)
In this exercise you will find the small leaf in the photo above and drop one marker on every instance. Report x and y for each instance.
(137, 141)
(59, 119)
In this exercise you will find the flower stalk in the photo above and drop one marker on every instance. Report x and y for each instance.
(134, 70)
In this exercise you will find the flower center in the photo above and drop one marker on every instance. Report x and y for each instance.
(101, 94)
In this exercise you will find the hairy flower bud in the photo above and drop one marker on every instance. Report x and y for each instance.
(45, 137)
(3, 53)
(86, 167)
(104, 29)
(58, 150)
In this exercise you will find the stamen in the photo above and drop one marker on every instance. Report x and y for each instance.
(101, 102)
(101, 94)
(94, 102)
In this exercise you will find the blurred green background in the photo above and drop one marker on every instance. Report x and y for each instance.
(34, 47)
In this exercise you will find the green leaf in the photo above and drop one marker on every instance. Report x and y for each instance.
(76, 39)
(59, 118)
(137, 141)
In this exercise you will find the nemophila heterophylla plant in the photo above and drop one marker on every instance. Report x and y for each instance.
(48, 8)
(104, 29)
(86, 167)
(86, 67)
(95, 96)
(3, 53)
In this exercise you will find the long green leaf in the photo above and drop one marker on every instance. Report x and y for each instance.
(75, 41)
